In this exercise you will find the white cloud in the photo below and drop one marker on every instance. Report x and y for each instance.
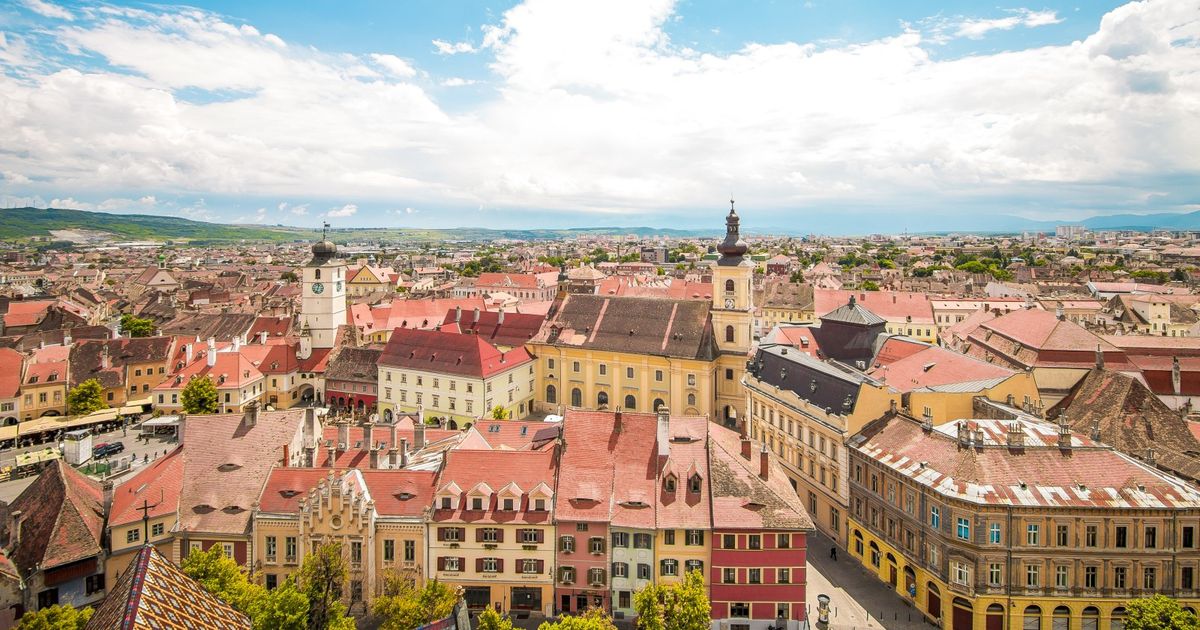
(394, 65)
(345, 211)
(403, 211)
(48, 9)
(300, 210)
(457, 82)
(452, 48)
(976, 28)
(595, 108)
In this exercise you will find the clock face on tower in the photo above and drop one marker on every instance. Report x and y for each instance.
(339, 286)
(728, 302)
(318, 288)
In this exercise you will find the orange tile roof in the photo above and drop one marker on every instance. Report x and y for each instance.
(158, 484)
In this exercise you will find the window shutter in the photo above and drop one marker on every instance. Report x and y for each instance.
(479, 565)
(701, 533)
(500, 565)
(499, 535)
(541, 565)
(662, 567)
(541, 535)
(441, 562)
(441, 534)
(479, 534)
(462, 533)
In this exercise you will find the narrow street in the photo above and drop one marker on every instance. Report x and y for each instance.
(857, 598)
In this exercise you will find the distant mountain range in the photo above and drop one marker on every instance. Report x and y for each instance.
(84, 226)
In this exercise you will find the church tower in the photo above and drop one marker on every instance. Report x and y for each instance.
(732, 320)
(323, 301)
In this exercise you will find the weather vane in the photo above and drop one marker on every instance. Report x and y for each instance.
(325, 231)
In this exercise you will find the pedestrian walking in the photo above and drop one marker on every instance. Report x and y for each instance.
(833, 553)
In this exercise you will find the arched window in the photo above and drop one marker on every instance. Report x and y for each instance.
(658, 403)
(630, 403)
(576, 398)
(1032, 619)
(602, 400)
(551, 394)
(1061, 619)
(691, 400)
(729, 334)
(729, 286)
(1091, 618)
(317, 274)
(1118, 618)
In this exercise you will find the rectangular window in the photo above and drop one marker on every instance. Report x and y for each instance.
(133, 535)
(490, 565)
(531, 536)
(935, 517)
(620, 570)
(451, 564)
(1119, 577)
(643, 541)
(643, 572)
(1090, 534)
(1032, 535)
(1060, 577)
(995, 571)
(1149, 578)
(658, 375)
(783, 576)
(356, 552)
(156, 529)
(1187, 578)
(1150, 537)
(1061, 535)
(669, 567)
(783, 541)
(1089, 577)
(729, 576)
(669, 537)
(960, 573)
(620, 539)
(695, 537)
(628, 372)
(964, 529)
(739, 609)
(754, 576)
(596, 545)
(754, 541)
(603, 369)
(270, 549)
(994, 533)
(389, 550)
(1033, 575)
(410, 551)
(289, 548)
(1122, 537)
(1189, 537)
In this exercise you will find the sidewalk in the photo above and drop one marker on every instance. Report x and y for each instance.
(858, 599)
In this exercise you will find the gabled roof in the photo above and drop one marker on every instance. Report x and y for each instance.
(11, 363)
(673, 328)
(853, 313)
(495, 469)
(159, 484)
(936, 367)
(741, 498)
(62, 519)
(153, 594)
(517, 328)
(449, 353)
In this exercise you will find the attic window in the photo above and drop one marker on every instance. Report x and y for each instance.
(694, 484)
(203, 508)
(234, 509)
(404, 496)
(287, 494)
(669, 483)
(634, 504)
(229, 467)
(33, 379)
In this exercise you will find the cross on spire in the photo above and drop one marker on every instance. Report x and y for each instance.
(145, 508)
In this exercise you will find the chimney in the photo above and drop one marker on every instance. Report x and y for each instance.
(187, 354)
(1064, 433)
(1015, 436)
(457, 314)
(1150, 456)
(67, 338)
(374, 457)
(1099, 358)
(104, 358)
(332, 455)
(251, 414)
(1175, 375)
(393, 432)
(14, 529)
(368, 430)
(237, 343)
(746, 450)
(343, 435)
(262, 337)
(419, 433)
(404, 452)
(211, 356)
(500, 317)
(476, 314)
(663, 434)
(310, 453)
(106, 487)
(742, 431)
(764, 462)
(964, 435)
(179, 428)
(617, 421)
(1058, 312)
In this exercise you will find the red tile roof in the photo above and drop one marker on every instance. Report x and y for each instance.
(11, 363)
(62, 519)
(287, 486)
(934, 367)
(497, 469)
(158, 484)
(741, 499)
(517, 329)
(449, 353)
(688, 455)
(893, 306)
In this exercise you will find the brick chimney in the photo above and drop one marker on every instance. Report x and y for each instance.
(187, 354)
(343, 435)
(764, 462)
(251, 414)
(419, 430)
(373, 457)
(393, 432)
(746, 448)
(404, 452)
(368, 429)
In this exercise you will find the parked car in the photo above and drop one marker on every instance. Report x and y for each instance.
(105, 449)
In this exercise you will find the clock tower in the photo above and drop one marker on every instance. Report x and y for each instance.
(732, 316)
(323, 301)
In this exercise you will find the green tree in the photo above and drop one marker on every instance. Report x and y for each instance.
(489, 619)
(284, 608)
(682, 606)
(499, 413)
(403, 606)
(289, 276)
(200, 395)
(136, 326)
(220, 575)
(870, 285)
(56, 617)
(1158, 612)
(322, 580)
(593, 619)
(86, 397)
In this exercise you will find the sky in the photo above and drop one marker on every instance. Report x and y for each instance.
(876, 115)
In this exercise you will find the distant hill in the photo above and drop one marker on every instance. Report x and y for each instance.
(18, 223)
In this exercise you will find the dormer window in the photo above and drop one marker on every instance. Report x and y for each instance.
(694, 484)
(477, 503)
(669, 483)
(508, 505)
(539, 505)
(446, 503)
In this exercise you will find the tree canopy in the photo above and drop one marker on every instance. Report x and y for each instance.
(682, 606)
(284, 608)
(1158, 612)
(56, 617)
(403, 606)
(593, 619)
(322, 579)
(136, 326)
(86, 397)
(200, 395)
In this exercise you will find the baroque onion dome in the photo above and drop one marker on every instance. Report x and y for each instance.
(733, 247)
(324, 249)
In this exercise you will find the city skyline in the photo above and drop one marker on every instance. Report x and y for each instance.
(544, 115)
